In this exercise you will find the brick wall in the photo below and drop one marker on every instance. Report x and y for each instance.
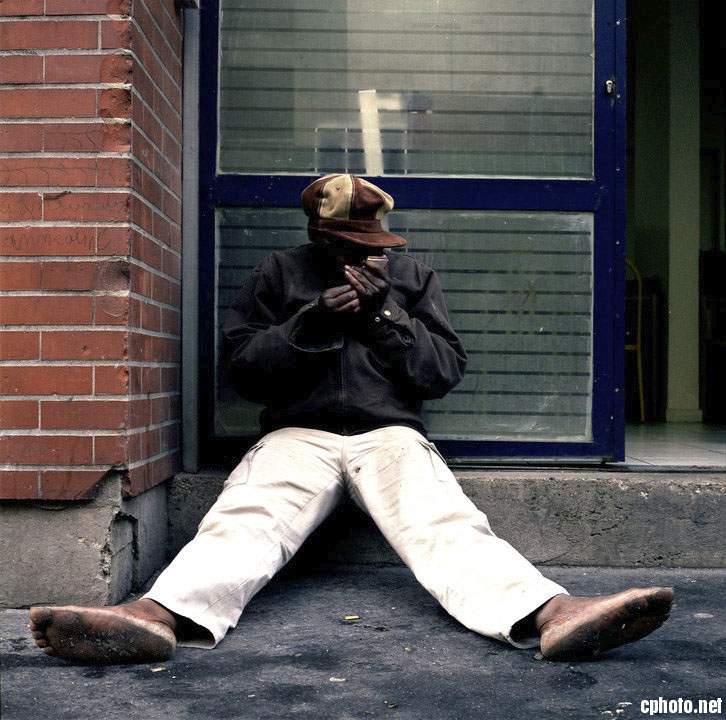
(90, 244)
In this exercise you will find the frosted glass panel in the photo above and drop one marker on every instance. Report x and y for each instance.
(519, 291)
(456, 87)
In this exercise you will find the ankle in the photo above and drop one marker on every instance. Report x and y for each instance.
(151, 610)
(551, 609)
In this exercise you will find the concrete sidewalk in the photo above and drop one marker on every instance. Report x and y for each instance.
(294, 655)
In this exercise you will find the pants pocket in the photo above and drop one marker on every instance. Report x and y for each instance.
(441, 469)
(242, 473)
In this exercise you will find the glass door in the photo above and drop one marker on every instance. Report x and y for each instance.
(497, 128)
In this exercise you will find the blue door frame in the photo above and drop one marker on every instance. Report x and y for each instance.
(604, 196)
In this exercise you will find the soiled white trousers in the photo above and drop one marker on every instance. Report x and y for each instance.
(289, 482)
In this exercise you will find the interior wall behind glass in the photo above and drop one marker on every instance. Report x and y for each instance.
(456, 87)
(518, 287)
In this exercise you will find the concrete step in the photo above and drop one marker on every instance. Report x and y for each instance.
(553, 517)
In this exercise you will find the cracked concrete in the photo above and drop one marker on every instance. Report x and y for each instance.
(84, 553)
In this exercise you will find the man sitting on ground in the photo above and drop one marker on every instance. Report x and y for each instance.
(342, 343)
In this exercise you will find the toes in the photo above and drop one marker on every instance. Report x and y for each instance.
(38, 634)
(49, 650)
(40, 617)
(41, 643)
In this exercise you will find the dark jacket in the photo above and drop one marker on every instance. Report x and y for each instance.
(341, 372)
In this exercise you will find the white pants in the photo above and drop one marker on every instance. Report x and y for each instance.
(289, 482)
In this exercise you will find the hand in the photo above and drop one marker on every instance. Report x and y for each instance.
(340, 299)
(371, 281)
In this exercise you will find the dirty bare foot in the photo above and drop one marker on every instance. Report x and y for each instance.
(140, 631)
(575, 628)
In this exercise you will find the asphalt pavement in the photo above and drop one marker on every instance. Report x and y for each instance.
(294, 655)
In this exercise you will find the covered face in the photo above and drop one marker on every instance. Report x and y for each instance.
(346, 211)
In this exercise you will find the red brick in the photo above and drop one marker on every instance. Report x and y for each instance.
(111, 380)
(166, 349)
(18, 414)
(169, 24)
(148, 186)
(116, 34)
(146, 476)
(48, 34)
(140, 347)
(113, 240)
(169, 379)
(116, 68)
(161, 290)
(20, 137)
(108, 275)
(136, 481)
(151, 317)
(33, 241)
(147, 250)
(19, 276)
(134, 313)
(20, 206)
(115, 103)
(113, 172)
(142, 214)
(86, 206)
(46, 310)
(167, 47)
(118, 7)
(151, 380)
(161, 229)
(136, 450)
(21, 69)
(84, 345)
(45, 380)
(75, 7)
(111, 310)
(159, 410)
(48, 102)
(21, 7)
(141, 280)
(172, 149)
(139, 413)
(170, 321)
(15, 172)
(143, 150)
(172, 207)
(111, 449)
(18, 484)
(46, 450)
(170, 264)
(70, 484)
(73, 68)
(15, 345)
(83, 414)
(88, 137)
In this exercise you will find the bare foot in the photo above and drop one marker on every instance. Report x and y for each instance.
(140, 631)
(575, 628)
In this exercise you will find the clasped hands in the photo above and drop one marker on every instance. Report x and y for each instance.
(367, 289)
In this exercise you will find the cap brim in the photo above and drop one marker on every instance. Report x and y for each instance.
(380, 239)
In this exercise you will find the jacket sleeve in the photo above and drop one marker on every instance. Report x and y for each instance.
(263, 350)
(425, 352)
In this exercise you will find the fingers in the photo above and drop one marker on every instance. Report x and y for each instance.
(378, 265)
(340, 299)
(358, 281)
(352, 306)
(362, 278)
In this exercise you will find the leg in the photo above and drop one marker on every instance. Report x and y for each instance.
(283, 488)
(402, 482)
(400, 479)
